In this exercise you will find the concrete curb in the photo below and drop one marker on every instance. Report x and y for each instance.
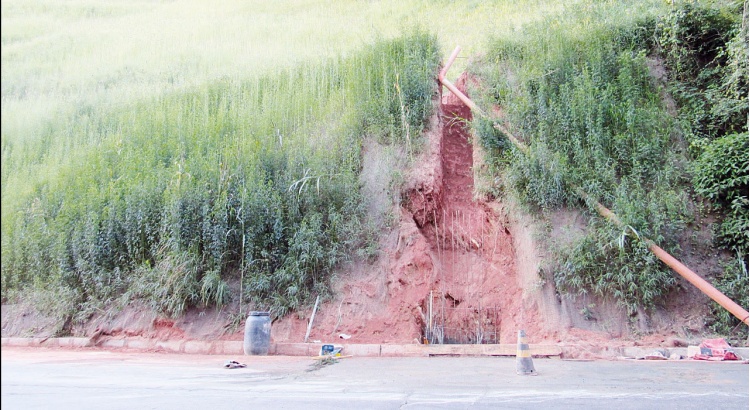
(232, 347)
(282, 349)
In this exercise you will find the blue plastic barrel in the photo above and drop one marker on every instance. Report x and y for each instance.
(257, 334)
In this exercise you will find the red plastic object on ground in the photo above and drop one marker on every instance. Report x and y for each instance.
(715, 349)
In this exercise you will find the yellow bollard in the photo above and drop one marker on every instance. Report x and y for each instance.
(524, 365)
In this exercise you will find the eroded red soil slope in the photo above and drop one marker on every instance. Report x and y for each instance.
(449, 247)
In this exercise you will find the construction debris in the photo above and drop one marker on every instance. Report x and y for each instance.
(714, 350)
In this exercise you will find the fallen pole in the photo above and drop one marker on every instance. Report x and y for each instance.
(698, 282)
(677, 266)
(477, 111)
(705, 287)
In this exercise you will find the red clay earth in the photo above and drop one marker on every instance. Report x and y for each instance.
(448, 244)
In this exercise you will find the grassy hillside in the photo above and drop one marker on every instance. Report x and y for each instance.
(162, 151)
(592, 96)
(170, 196)
(57, 56)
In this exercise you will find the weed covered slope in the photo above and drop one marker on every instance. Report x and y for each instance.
(586, 91)
(169, 200)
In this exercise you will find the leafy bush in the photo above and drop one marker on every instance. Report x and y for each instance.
(622, 267)
(706, 48)
(721, 176)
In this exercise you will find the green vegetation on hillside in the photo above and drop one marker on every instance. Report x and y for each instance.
(707, 48)
(586, 92)
(183, 164)
(170, 198)
(144, 143)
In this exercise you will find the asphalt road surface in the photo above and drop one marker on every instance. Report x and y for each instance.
(37, 378)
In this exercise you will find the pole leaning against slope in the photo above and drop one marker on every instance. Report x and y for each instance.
(705, 287)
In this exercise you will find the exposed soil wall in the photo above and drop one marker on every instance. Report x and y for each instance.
(449, 245)
(482, 265)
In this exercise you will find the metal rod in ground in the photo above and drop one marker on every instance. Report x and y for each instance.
(429, 327)
(309, 325)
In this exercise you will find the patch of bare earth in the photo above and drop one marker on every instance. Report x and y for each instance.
(449, 248)
(482, 265)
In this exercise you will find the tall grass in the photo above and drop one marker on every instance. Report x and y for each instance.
(155, 149)
(70, 60)
(60, 55)
(580, 88)
(170, 198)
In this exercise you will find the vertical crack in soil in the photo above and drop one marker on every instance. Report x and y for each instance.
(448, 246)
(472, 250)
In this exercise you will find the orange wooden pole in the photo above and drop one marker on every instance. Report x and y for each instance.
(461, 96)
(699, 282)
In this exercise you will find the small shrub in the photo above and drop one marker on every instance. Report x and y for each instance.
(721, 176)
(614, 264)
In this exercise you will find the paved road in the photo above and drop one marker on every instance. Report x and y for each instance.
(37, 378)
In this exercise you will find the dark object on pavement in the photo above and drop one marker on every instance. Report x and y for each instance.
(233, 364)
